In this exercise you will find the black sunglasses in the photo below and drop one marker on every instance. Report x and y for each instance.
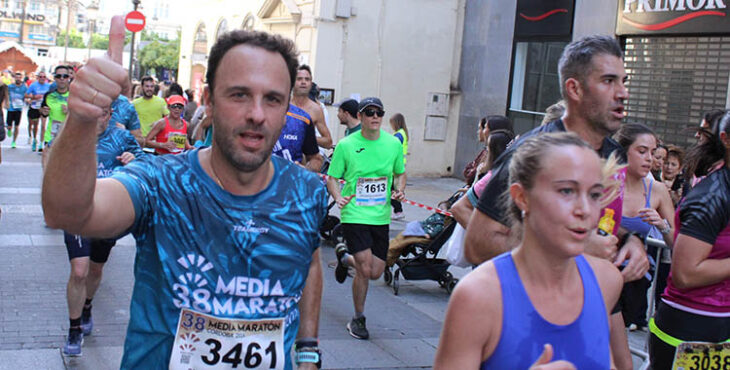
(372, 112)
(177, 106)
(59, 76)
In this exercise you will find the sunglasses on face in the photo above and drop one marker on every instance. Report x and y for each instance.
(177, 106)
(60, 76)
(372, 112)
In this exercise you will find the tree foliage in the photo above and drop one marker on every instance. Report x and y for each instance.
(160, 54)
(75, 39)
(99, 41)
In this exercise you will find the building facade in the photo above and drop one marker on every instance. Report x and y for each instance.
(407, 52)
(445, 64)
(29, 23)
(677, 57)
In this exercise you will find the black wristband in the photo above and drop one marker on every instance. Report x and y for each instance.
(626, 237)
(306, 342)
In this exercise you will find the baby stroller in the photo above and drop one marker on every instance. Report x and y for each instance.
(331, 230)
(415, 257)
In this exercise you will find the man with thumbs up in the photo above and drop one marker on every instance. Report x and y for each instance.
(227, 236)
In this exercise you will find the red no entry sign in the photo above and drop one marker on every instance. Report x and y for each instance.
(134, 21)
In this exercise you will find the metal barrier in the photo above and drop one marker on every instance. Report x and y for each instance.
(659, 245)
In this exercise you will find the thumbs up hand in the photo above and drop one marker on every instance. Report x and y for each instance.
(545, 361)
(100, 81)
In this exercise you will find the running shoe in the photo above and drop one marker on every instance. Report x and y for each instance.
(73, 343)
(33, 146)
(10, 131)
(356, 328)
(12, 145)
(87, 325)
(398, 216)
(341, 269)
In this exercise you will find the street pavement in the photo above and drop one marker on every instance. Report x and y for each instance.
(34, 268)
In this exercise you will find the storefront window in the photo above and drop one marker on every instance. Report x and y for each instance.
(9, 26)
(535, 82)
(673, 81)
(37, 28)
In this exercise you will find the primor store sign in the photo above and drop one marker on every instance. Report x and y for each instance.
(655, 17)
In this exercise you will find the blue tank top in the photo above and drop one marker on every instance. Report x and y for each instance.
(584, 342)
(291, 141)
(636, 223)
(204, 249)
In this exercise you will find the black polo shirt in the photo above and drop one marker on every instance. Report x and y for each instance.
(490, 201)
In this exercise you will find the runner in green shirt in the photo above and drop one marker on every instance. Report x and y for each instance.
(55, 107)
(369, 160)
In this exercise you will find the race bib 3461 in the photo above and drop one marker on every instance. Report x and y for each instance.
(209, 342)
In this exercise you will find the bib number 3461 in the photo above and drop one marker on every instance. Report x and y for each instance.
(208, 342)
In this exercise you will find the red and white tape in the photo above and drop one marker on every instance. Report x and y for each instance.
(420, 205)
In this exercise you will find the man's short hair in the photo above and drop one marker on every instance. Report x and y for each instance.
(578, 56)
(305, 67)
(147, 78)
(62, 66)
(350, 107)
(269, 42)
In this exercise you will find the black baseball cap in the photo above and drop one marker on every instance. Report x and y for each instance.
(367, 102)
(349, 106)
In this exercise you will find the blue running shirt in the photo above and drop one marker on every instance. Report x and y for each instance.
(123, 112)
(37, 88)
(111, 144)
(16, 95)
(204, 252)
(297, 137)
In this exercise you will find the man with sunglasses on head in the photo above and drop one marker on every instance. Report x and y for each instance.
(36, 91)
(170, 134)
(370, 161)
(55, 107)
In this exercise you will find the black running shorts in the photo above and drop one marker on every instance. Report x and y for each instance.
(14, 118)
(360, 237)
(33, 113)
(97, 250)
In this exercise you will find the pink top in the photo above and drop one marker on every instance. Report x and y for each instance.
(704, 215)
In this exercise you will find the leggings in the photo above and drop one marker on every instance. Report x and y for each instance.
(687, 327)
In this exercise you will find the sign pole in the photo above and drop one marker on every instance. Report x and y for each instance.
(131, 48)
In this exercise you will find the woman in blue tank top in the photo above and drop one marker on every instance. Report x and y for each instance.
(545, 301)
(647, 211)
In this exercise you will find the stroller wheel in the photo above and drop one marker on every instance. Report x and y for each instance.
(396, 284)
(388, 276)
(329, 226)
(445, 279)
(451, 285)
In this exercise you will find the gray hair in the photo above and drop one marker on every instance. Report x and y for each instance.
(578, 56)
